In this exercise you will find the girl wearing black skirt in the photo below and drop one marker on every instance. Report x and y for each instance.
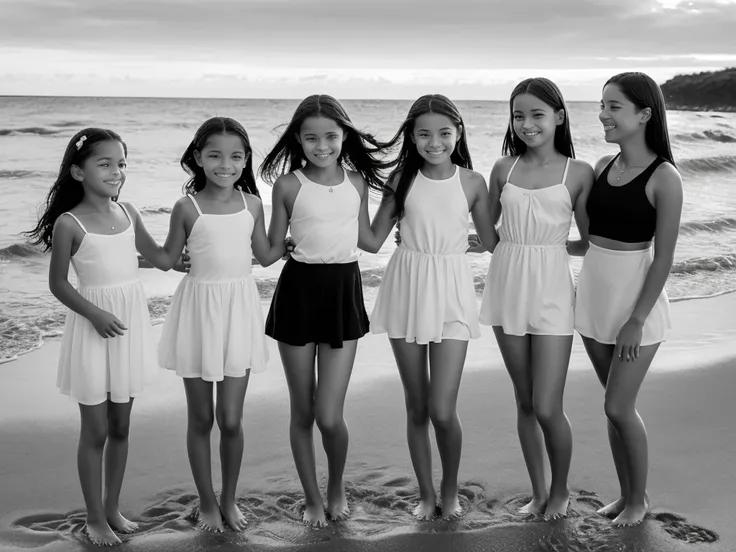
(321, 168)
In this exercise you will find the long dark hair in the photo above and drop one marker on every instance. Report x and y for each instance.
(217, 125)
(409, 161)
(67, 192)
(641, 90)
(360, 149)
(544, 90)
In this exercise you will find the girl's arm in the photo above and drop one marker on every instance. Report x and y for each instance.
(105, 323)
(265, 253)
(580, 247)
(372, 235)
(667, 188)
(482, 214)
(162, 257)
(279, 213)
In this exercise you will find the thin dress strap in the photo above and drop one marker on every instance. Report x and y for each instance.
(567, 166)
(79, 222)
(508, 177)
(245, 203)
(196, 205)
(127, 214)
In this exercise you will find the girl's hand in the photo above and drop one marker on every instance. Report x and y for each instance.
(290, 245)
(107, 324)
(628, 340)
(184, 264)
(474, 244)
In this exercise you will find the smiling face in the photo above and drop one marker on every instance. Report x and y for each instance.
(435, 137)
(620, 117)
(535, 122)
(103, 172)
(223, 159)
(321, 139)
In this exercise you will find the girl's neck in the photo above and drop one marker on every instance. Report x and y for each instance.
(635, 152)
(217, 193)
(543, 155)
(442, 171)
(99, 204)
(324, 175)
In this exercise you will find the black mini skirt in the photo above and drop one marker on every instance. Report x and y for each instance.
(318, 303)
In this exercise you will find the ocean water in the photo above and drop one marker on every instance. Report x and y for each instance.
(34, 132)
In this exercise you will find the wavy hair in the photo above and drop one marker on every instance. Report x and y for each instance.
(409, 161)
(67, 192)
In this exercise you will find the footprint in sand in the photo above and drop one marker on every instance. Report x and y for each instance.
(677, 527)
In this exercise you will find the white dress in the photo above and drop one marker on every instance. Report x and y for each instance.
(427, 291)
(214, 327)
(91, 366)
(529, 288)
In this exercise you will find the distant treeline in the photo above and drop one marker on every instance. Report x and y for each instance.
(707, 91)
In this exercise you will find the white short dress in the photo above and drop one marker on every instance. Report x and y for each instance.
(214, 327)
(91, 366)
(529, 288)
(427, 291)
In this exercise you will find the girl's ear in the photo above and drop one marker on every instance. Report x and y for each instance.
(561, 117)
(197, 157)
(77, 173)
(646, 114)
(459, 132)
(298, 138)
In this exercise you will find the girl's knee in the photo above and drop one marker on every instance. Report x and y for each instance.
(303, 419)
(442, 417)
(201, 422)
(118, 429)
(417, 415)
(618, 411)
(94, 435)
(329, 423)
(546, 412)
(230, 426)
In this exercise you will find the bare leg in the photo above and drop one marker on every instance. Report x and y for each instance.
(517, 356)
(550, 361)
(446, 362)
(601, 356)
(334, 368)
(92, 437)
(116, 456)
(229, 416)
(299, 369)
(622, 388)
(200, 420)
(412, 359)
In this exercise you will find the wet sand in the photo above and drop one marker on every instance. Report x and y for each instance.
(686, 402)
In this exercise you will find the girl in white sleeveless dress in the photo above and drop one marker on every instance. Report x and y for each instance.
(213, 333)
(426, 303)
(107, 352)
(529, 294)
(317, 312)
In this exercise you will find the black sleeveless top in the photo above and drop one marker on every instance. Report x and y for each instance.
(622, 213)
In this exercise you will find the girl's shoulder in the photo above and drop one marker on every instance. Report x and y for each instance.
(472, 177)
(357, 180)
(666, 175)
(502, 168)
(602, 163)
(580, 170)
(131, 209)
(287, 182)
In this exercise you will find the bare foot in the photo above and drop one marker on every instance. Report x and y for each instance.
(210, 520)
(426, 510)
(557, 506)
(536, 507)
(615, 508)
(101, 534)
(632, 514)
(118, 523)
(233, 516)
(314, 516)
(451, 508)
(337, 502)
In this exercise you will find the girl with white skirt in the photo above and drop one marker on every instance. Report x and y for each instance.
(621, 308)
(529, 292)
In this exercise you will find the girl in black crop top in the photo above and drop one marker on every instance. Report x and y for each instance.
(621, 307)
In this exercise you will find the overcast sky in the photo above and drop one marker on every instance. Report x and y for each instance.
(352, 48)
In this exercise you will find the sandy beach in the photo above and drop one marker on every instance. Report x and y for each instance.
(686, 402)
